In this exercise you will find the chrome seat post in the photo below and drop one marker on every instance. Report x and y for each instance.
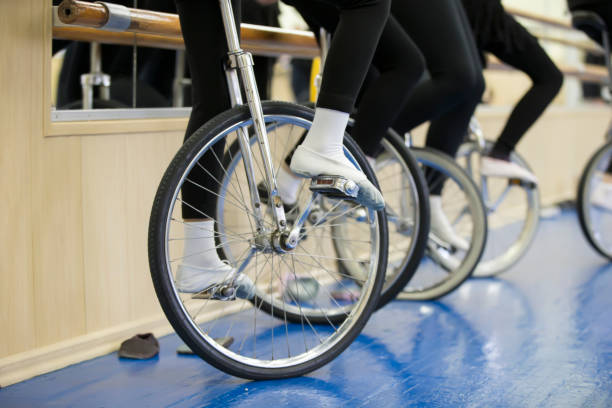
(240, 60)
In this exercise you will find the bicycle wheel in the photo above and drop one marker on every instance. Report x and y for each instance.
(407, 207)
(446, 267)
(513, 212)
(290, 287)
(594, 212)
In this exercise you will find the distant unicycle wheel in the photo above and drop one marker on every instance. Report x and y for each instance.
(513, 211)
(594, 201)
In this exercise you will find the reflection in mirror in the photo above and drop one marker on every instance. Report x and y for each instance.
(105, 76)
(101, 76)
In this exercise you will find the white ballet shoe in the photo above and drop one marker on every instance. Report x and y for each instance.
(194, 279)
(602, 195)
(308, 163)
(492, 167)
(441, 226)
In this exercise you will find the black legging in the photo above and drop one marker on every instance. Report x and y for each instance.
(521, 50)
(398, 61)
(360, 22)
(455, 85)
(547, 80)
(449, 95)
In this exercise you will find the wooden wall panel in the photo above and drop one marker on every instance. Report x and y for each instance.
(17, 123)
(107, 292)
(56, 235)
(147, 159)
(57, 239)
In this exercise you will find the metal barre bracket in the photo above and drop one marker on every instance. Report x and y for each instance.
(119, 17)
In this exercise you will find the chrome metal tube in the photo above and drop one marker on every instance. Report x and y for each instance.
(178, 86)
(244, 62)
(233, 85)
(245, 66)
(229, 23)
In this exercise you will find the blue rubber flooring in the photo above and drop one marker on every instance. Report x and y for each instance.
(539, 336)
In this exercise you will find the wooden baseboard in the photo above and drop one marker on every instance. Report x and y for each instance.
(22, 366)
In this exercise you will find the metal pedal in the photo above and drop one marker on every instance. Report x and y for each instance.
(522, 183)
(334, 186)
(216, 292)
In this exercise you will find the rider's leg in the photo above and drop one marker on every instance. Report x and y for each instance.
(449, 97)
(399, 66)
(360, 23)
(443, 35)
(206, 47)
(547, 80)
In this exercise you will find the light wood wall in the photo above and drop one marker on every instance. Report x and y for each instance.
(74, 209)
(74, 213)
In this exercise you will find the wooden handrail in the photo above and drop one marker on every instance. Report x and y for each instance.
(588, 46)
(553, 22)
(257, 39)
(587, 72)
(89, 34)
(83, 21)
(97, 15)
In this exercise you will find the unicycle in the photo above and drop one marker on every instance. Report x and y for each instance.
(291, 320)
(594, 199)
(512, 206)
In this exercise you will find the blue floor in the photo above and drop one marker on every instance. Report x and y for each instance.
(539, 336)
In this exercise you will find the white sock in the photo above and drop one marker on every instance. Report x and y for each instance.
(200, 245)
(288, 185)
(327, 133)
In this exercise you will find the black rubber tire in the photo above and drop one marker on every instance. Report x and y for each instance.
(390, 291)
(444, 161)
(582, 201)
(472, 146)
(162, 279)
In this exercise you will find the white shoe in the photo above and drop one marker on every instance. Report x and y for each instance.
(308, 163)
(602, 195)
(441, 226)
(491, 167)
(194, 279)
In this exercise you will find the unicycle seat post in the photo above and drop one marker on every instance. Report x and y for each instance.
(242, 61)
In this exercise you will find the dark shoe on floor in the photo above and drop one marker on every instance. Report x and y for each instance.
(139, 347)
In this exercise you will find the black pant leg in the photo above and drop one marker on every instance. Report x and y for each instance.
(206, 47)
(455, 72)
(546, 79)
(355, 39)
(399, 66)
